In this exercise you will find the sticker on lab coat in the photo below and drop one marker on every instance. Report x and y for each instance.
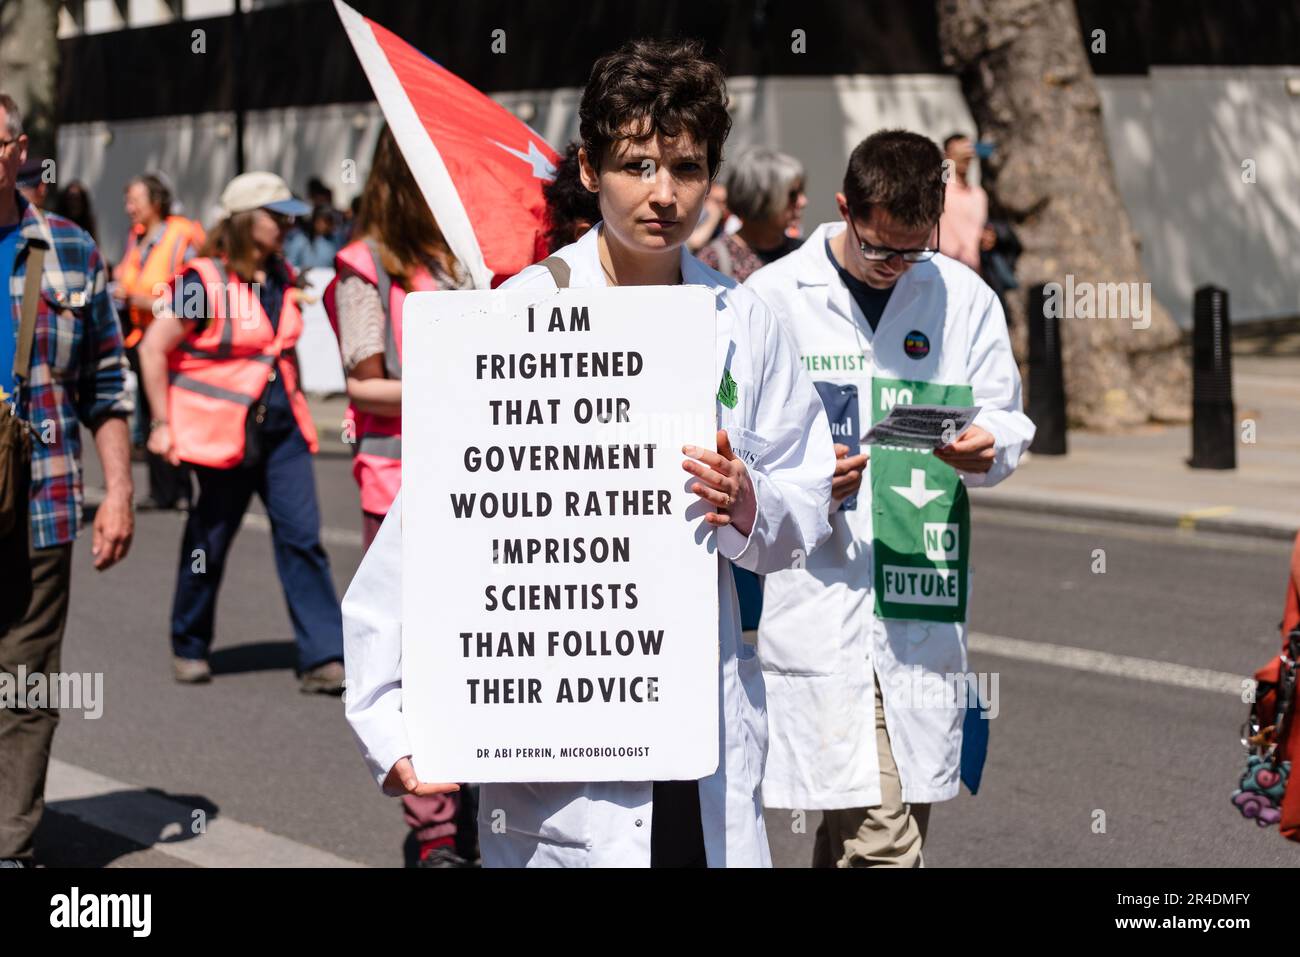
(728, 390)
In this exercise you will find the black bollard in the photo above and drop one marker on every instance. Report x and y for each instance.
(1046, 376)
(1214, 420)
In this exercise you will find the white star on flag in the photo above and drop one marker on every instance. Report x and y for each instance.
(542, 167)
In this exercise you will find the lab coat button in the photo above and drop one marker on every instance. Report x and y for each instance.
(638, 822)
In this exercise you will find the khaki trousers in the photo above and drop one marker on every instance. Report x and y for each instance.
(886, 836)
(34, 586)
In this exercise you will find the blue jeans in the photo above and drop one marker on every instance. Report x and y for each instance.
(286, 484)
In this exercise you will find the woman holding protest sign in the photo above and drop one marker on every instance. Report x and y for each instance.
(653, 123)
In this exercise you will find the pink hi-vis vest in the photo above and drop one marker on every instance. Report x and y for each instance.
(377, 462)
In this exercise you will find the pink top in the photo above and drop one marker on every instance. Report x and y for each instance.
(965, 211)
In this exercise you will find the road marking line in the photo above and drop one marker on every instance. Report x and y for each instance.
(94, 497)
(162, 824)
(1188, 519)
(328, 535)
(1105, 663)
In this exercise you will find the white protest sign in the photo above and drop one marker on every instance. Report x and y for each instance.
(560, 586)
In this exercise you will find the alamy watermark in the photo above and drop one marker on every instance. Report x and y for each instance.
(64, 690)
(133, 912)
(199, 301)
(1098, 300)
(917, 688)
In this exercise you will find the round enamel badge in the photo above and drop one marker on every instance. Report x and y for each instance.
(916, 344)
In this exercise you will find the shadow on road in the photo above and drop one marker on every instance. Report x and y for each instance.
(261, 656)
(141, 818)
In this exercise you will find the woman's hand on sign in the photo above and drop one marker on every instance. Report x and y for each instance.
(401, 779)
(724, 484)
(847, 477)
(972, 451)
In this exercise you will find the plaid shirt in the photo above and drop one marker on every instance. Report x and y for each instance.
(78, 371)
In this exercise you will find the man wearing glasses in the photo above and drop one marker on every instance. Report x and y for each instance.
(62, 367)
(863, 642)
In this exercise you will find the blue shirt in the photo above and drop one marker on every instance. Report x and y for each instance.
(279, 414)
(297, 247)
(8, 323)
(305, 252)
(79, 367)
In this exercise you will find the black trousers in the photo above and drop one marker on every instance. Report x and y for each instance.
(676, 832)
(168, 484)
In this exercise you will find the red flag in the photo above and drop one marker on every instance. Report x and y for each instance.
(480, 167)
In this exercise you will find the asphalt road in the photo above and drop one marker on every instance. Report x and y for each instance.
(274, 775)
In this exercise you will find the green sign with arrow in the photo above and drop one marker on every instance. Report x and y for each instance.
(920, 515)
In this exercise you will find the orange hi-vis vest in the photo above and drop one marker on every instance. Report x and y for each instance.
(219, 373)
(165, 260)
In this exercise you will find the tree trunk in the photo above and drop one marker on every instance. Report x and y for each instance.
(1026, 77)
(29, 67)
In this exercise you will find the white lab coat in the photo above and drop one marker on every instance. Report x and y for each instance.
(608, 823)
(819, 638)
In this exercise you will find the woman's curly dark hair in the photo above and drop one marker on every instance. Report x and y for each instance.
(654, 86)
